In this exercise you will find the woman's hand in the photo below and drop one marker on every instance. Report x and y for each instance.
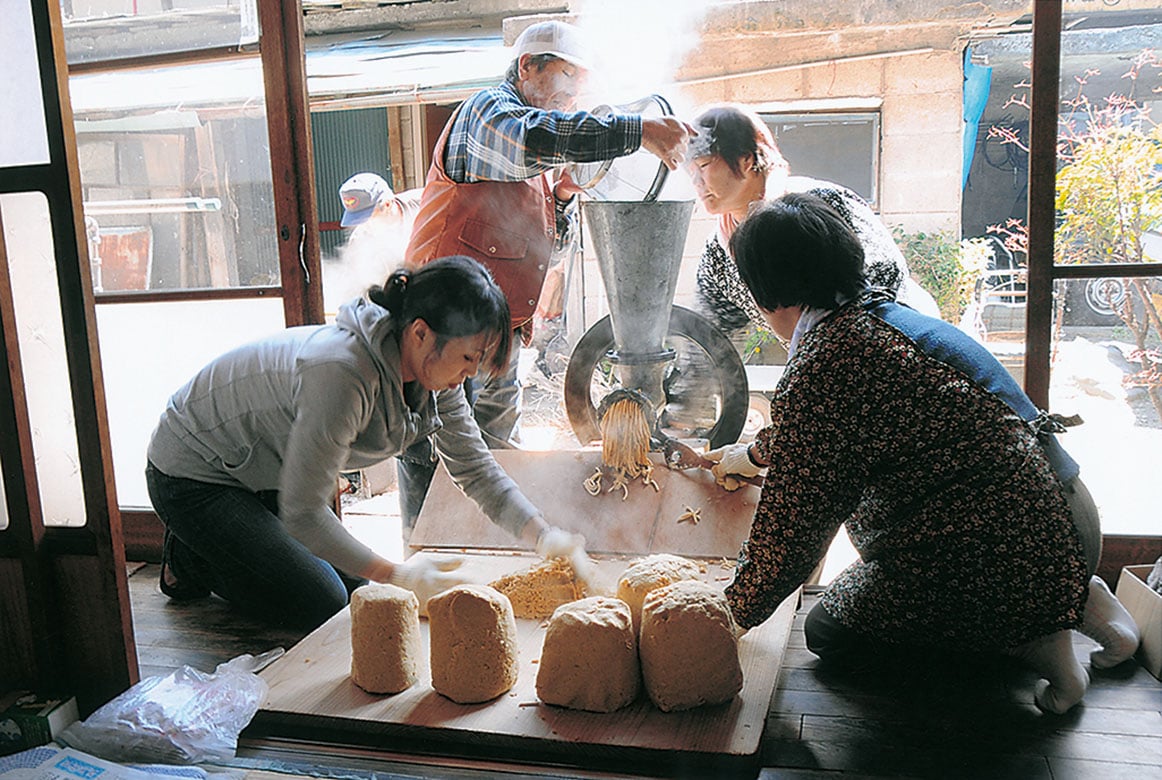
(428, 575)
(733, 459)
(558, 543)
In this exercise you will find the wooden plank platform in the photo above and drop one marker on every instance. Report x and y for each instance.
(312, 698)
(638, 521)
(931, 720)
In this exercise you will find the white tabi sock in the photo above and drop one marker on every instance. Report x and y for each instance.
(1065, 680)
(1108, 623)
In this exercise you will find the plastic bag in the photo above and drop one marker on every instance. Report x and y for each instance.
(185, 717)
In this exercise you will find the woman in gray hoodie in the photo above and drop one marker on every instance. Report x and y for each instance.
(243, 464)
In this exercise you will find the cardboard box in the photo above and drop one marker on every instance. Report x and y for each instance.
(28, 720)
(1146, 607)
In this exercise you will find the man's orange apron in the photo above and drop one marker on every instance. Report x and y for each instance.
(508, 226)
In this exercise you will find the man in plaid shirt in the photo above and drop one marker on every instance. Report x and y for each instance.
(496, 191)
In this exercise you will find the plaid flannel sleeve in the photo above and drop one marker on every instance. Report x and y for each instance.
(496, 137)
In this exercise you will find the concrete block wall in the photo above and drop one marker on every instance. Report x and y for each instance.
(921, 154)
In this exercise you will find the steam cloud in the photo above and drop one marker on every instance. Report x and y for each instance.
(638, 47)
(372, 251)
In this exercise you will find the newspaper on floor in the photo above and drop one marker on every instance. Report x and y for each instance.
(55, 763)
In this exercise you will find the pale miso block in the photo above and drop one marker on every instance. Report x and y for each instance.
(653, 571)
(474, 649)
(589, 657)
(385, 638)
(689, 653)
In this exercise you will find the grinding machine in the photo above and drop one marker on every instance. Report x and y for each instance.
(685, 373)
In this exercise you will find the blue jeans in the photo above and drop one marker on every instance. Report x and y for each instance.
(495, 406)
(231, 541)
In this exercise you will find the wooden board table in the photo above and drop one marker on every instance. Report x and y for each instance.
(312, 698)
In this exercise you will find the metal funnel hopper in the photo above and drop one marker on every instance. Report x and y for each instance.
(639, 251)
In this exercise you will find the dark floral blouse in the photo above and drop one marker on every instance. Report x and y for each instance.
(962, 527)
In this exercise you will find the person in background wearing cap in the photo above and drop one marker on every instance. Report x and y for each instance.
(496, 191)
(367, 197)
(379, 223)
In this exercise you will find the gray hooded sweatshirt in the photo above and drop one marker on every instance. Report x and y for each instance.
(289, 412)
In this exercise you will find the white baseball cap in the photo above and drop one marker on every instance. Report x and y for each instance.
(557, 38)
(360, 195)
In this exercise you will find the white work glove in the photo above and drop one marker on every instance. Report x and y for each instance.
(738, 631)
(426, 576)
(732, 459)
(558, 543)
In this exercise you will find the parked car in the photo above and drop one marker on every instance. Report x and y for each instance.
(1092, 302)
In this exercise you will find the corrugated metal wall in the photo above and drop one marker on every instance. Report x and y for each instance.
(345, 143)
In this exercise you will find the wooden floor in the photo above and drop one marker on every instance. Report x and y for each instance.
(942, 719)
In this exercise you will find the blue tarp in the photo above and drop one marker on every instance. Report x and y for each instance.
(977, 80)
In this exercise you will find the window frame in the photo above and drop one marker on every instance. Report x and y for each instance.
(834, 116)
(282, 52)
